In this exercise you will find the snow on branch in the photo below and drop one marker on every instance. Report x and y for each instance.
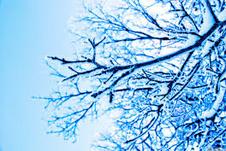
(160, 63)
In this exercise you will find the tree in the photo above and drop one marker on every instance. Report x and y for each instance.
(159, 63)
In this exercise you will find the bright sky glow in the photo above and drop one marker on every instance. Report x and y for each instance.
(29, 31)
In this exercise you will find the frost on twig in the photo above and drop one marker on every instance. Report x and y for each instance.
(163, 71)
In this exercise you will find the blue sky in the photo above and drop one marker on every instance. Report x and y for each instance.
(29, 31)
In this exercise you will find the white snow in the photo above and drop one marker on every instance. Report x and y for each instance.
(216, 105)
(208, 20)
(168, 132)
(222, 15)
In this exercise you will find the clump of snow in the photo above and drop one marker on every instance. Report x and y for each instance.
(208, 20)
(222, 15)
(168, 132)
(216, 105)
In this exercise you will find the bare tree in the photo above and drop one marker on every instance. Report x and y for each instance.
(159, 63)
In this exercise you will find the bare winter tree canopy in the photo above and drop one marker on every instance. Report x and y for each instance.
(158, 64)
